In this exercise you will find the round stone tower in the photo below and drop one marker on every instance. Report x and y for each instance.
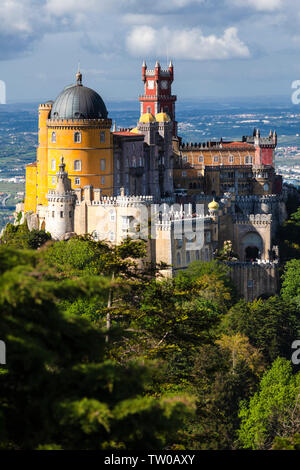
(61, 202)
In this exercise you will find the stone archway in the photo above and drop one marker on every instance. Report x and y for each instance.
(252, 246)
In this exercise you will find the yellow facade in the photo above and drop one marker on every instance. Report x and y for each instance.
(87, 148)
(30, 188)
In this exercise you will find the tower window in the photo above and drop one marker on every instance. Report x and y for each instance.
(148, 109)
(53, 180)
(183, 173)
(102, 164)
(77, 165)
(102, 137)
(184, 158)
(77, 181)
(53, 165)
(53, 137)
(62, 214)
(178, 259)
(231, 159)
(53, 213)
(216, 159)
(102, 179)
(200, 159)
(77, 137)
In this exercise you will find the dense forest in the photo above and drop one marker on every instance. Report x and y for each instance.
(103, 354)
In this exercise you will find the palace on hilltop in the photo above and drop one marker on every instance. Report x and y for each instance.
(90, 177)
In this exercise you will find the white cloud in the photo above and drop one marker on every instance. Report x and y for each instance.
(260, 5)
(185, 44)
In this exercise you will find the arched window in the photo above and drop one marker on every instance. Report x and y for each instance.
(53, 137)
(77, 137)
(178, 259)
(77, 165)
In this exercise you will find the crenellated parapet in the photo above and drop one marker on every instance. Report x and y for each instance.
(253, 219)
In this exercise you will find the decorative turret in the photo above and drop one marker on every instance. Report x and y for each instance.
(158, 96)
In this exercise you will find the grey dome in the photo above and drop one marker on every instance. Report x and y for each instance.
(78, 102)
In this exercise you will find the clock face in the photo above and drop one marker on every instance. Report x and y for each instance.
(164, 84)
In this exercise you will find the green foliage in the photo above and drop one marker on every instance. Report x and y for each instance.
(289, 236)
(83, 255)
(287, 443)
(272, 410)
(58, 390)
(19, 236)
(270, 325)
(291, 282)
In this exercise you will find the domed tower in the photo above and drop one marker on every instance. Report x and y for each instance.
(76, 126)
(61, 202)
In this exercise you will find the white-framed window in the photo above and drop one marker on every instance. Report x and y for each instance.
(102, 164)
(53, 180)
(102, 179)
(184, 158)
(231, 159)
(200, 159)
(148, 109)
(53, 137)
(112, 236)
(102, 137)
(77, 137)
(53, 165)
(77, 181)
(77, 165)
(216, 159)
(248, 159)
(112, 215)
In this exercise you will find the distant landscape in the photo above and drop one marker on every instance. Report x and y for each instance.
(198, 121)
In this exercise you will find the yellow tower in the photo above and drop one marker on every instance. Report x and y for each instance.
(75, 127)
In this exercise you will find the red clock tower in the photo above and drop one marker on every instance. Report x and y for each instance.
(158, 96)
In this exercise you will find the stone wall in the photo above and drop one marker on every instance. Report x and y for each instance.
(254, 280)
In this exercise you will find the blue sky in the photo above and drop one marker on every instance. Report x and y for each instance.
(219, 48)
